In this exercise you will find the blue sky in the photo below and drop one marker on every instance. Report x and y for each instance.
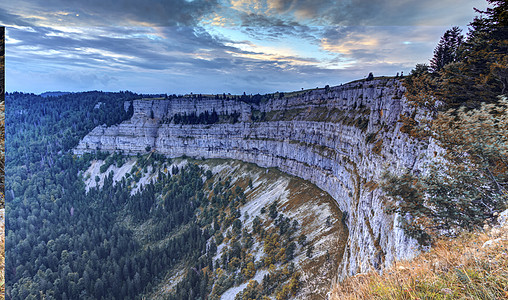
(216, 46)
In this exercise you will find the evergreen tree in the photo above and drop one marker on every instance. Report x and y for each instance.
(447, 50)
(481, 72)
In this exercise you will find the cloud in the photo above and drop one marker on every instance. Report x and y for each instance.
(13, 20)
(302, 9)
(401, 12)
(116, 48)
(179, 59)
(226, 45)
(350, 44)
(189, 54)
(355, 12)
(256, 13)
(376, 46)
(112, 12)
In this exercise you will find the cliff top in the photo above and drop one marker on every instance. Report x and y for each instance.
(377, 81)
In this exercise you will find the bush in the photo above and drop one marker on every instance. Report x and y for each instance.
(468, 182)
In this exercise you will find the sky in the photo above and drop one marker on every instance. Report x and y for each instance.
(218, 46)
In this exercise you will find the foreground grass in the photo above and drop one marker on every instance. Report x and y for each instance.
(2, 257)
(461, 268)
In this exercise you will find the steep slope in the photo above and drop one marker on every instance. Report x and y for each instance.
(295, 200)
(341, 138)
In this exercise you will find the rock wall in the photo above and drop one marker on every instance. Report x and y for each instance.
(341, 138)
(163, 108)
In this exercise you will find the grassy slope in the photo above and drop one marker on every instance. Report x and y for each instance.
(460, 268)
(2, 257)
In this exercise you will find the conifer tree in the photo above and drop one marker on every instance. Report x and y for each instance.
(447, 50)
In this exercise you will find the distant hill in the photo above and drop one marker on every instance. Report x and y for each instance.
(54, 94)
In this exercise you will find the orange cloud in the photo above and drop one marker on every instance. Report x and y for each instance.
(349, 44)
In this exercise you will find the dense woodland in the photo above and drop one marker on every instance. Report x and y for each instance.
(64, 243)
(43, 185)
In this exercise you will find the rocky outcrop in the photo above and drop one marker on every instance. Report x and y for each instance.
(341, 138)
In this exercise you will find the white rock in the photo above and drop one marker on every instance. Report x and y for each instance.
(491, 242)
(502, 219)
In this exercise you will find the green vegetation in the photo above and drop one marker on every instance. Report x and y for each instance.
(203, 118)
(46, 199)
(87, 247)
(116, 159)
(77, 245)
(465, 72)
(465, 113)
(249, 99)
(236, 264)
(447, 51)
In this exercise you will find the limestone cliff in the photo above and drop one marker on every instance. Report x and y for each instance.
(341, 138)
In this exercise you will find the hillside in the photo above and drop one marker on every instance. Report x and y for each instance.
(267, 192)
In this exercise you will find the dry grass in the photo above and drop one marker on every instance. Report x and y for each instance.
(2, 256)
(460, 268)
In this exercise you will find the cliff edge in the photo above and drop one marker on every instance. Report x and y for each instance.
(340, 138)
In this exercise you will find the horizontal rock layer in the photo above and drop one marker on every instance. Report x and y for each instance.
(341, 138)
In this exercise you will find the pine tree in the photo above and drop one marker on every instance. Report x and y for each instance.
(447, 51)
(481, 72)
(467, 185)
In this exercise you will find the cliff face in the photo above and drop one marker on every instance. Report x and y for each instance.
(342, 139)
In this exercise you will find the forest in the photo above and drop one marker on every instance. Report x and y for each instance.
(65, 243)
(43, 184)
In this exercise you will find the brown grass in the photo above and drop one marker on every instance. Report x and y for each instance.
(2, 258)
(454, 269)
(378, 147)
